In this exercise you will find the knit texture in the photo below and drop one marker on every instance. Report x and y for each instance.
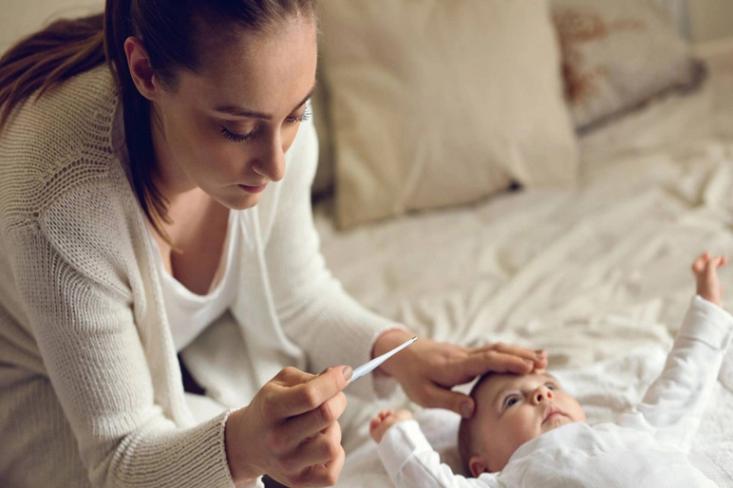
(90, 389)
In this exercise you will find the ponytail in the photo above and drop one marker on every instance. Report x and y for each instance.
(118, 26)
(47, 58)
(69, 47)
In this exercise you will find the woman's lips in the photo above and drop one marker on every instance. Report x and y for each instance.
(253, 189)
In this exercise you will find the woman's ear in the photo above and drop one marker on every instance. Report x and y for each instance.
(477, 466)
(141, 71)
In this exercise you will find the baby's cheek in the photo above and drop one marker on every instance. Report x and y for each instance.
(523, 430)
(575, 410)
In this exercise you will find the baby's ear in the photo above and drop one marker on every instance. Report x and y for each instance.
(477, 466)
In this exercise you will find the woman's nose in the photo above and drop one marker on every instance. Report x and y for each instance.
(271, 162)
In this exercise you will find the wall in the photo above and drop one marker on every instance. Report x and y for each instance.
(710, 20)
(21, 17)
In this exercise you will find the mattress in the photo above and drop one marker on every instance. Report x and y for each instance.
(598, 273)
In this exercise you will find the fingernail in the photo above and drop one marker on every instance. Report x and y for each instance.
(539, 352)
(466, 409)
(347, 371)
(529, 363)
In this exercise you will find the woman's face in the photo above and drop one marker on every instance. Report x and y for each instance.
(226, 128)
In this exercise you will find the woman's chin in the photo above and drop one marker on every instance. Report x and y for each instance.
(238, 199)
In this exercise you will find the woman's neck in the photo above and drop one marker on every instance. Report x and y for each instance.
(172, 182)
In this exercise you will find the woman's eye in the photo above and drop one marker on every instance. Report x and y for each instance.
(299, 118)
(510, 401)
(236, 137)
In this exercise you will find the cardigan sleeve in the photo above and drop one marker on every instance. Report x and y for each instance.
(316, 313)
(80, 312)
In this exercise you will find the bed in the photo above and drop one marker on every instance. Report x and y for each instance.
(597, 274)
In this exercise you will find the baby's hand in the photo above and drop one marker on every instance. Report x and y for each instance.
(705, 269)
(384, 420)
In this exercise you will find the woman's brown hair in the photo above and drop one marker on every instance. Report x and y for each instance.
(170, 30)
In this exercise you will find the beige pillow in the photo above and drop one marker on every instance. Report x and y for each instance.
(436, 103)
(618, 54)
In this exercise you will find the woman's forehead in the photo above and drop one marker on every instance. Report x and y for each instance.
(262, 71)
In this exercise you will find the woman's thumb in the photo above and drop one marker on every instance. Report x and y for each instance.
(461, 404)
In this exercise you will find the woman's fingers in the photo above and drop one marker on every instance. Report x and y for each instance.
(495, 359)
(435, 396)
(290, 429)
(296, 429)
(287, 399)
(537, 356)
(321, 448)
(317, 462)
(325, 474)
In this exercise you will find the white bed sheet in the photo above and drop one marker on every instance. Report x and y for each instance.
(598, 275)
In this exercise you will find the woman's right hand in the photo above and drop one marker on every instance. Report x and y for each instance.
(290, 431)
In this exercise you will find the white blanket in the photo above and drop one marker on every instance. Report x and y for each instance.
(598, 275)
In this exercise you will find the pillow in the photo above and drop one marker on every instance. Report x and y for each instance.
(617, 55)
(441, 103)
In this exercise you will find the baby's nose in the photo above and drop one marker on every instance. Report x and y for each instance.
(542, 394)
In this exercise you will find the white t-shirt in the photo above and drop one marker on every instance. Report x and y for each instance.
(190, 313)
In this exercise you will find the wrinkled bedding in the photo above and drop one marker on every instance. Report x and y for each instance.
(597, 274)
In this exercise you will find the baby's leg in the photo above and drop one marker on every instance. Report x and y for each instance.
(705, 270)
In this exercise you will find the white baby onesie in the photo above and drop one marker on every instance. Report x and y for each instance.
(647, 446)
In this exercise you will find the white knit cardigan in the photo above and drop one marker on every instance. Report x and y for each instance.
(90, 389)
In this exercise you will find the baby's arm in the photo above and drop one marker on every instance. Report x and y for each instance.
(409, 459)
(673, 405)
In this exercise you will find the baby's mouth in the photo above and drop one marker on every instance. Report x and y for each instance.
(552, 413)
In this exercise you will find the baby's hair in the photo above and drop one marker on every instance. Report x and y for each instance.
(466, 440)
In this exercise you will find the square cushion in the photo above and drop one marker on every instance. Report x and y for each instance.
(436, 103)
(618, 54)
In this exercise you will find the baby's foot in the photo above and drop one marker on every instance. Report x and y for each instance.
(384, 420)
(706, 275)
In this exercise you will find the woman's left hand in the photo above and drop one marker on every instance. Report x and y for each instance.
(427, 370)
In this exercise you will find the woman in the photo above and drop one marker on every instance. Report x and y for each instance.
(147, 206)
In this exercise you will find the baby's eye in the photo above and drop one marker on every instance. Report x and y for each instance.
(510, 401)
(551, 386)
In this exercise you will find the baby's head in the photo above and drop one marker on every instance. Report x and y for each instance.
(510, 410)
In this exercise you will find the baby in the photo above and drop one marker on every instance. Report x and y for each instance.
(529, 432)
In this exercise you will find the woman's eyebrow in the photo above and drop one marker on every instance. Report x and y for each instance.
(245, 112)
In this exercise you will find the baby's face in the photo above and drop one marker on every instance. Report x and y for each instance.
(513, 409)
